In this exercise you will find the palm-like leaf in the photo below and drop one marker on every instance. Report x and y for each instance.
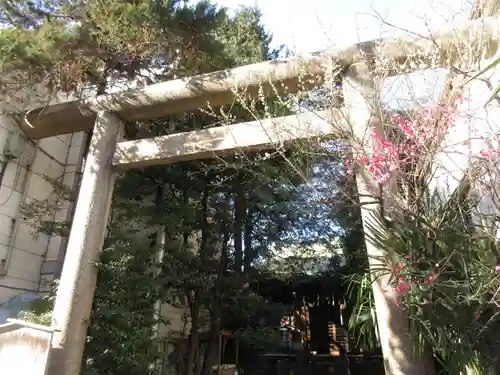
(488, 68)
(450, 269)
(362, 320)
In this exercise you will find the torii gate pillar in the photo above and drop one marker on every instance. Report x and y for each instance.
(79, 274)
(362, 100)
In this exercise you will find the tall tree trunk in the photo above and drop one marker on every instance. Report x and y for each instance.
(249, 256)
(199, 363)
(195, 295)
(194, 310)
(212, 353)
(161, 237)
(239, 221)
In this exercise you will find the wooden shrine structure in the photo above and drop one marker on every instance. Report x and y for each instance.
(361, 68)
(316, 324)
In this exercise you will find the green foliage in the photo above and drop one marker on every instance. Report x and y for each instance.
(41, 213)
(443, 274)
(362, 323)
(245, 39)
(260, 339)
(38, 311)
(122, 331)
(66, 45)
(69, 43)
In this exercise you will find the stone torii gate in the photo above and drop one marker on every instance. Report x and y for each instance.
(361, 67)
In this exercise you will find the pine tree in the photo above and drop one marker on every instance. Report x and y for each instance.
(68, 45)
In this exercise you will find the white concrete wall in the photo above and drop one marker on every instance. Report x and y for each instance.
(179, 322)
(29, 343)
(30, 259)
